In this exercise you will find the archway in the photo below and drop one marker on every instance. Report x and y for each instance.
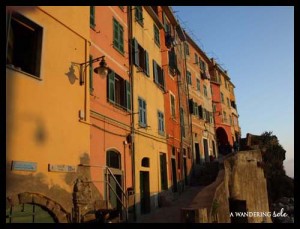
(223, 143)
(35, 208)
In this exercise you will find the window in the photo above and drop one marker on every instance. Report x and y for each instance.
(200, 112)
(198, 84)
(205, 90)
(140, 57)
(92, 16)
(195, 109)
(121, 7)
(226, 86)
(156, 35)
(196, 58)
(146, 162)
(211, 118)
(178, 160)
(161, 125)
(113, 159)
(118, 91)
(139, 15)
(204, 113)
(159, 77)
(172, 98)
(224, 117)
(172, 59)
(166, 24)
(228, 102)
(214, 108)
(189, 77)
(202, 65)
(186, 49)
(211, 90)
(118, 36)
(230, 119)
(182, 122)
(222, 97)
(24, 44)
(142, 112)
(91, 74)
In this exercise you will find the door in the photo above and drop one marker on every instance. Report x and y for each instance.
(197, 153)
(115, 191)
(205, 145)
(163, 172)
(185, 171)
(174, 175)
(145, 192)
(238, 206)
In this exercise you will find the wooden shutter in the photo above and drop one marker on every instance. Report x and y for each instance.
(191, 106)
(200, 112)
(147, 63)
(135, 52)
(155, 72)
(128, 95)
(111, 86)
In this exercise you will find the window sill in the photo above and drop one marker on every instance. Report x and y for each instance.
(25, 73)
(93, 27)
(119, 51)
(120, 107)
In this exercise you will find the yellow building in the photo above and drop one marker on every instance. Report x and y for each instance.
(149, 136)
(47, 103)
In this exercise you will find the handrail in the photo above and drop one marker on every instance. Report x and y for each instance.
(124, 194)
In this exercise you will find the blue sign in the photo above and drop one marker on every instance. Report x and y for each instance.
(24, 165)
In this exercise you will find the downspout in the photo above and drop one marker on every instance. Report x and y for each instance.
(132, 148)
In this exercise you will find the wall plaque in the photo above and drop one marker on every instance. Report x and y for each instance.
(24, 165)
(61, 168)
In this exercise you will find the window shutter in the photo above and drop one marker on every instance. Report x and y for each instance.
(191, 106)
(116, 33)
(111, 86)
(145, 113)
(128, 95)
(200, 112)
(121, 40)
(155, 72)
(136, 52)
(91, 74)
(147, 63)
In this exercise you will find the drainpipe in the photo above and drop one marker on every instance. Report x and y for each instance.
(132, 148)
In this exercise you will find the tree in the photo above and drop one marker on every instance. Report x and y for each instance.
(273, 154)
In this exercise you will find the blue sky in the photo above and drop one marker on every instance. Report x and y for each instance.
(256, 46)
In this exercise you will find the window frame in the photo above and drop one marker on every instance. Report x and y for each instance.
(161, 122)
(139, 15)
(142, 112)
(118, 43)
(156, 35)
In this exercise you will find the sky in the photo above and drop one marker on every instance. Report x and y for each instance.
(255, 44)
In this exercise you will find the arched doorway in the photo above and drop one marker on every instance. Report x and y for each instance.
(34, 208)
(113, 161)
(223, 143)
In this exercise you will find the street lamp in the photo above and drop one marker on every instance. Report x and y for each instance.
(101, 70)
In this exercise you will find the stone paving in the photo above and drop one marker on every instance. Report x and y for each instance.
(171, 214)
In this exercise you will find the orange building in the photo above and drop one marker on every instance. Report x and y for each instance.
(222, 89)
(110, 97)
(179, 160)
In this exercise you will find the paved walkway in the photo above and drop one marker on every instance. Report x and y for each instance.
(171, 214)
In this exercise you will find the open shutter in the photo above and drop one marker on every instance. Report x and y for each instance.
(155, 72)
(128, 95)
(111, 86)
(116, 34)
(163, 78)
(147, 63)
(121, 39)
(191, 106)
(135, 52)
(145, 111)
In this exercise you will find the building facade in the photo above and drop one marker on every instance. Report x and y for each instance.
(47, 104)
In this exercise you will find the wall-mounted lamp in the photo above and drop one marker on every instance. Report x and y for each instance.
(101, 70)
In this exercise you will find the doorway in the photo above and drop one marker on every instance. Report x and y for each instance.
(197, 153)
(145, 192)
(174, 175)
(205, 145)
(115, 192)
